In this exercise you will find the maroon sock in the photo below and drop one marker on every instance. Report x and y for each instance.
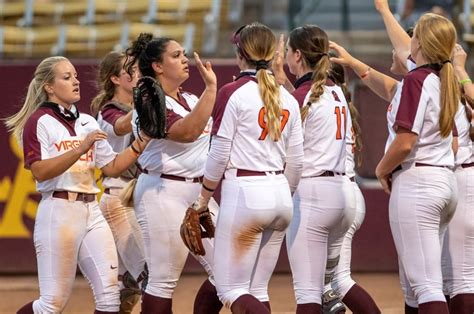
(248, 304)
(435, 307)
(308, 308)
(410, 310)
(103, 312)
(26, 309)
(267, 305)
(359, 301)
(155, 305)
(206, 301)
(462, 304)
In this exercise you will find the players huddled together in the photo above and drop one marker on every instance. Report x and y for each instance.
(278, 154)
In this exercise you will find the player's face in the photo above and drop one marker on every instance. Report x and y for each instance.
(64, 90)
(125, 81)
(174, 67)
(291, 59)
(397, 67)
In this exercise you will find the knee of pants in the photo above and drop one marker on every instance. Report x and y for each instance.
(411, 301)
(312, 295)
(109, 300)
(50, 304)
(429, 294)
(228, 296)
(342, 283)
(261, 293)
(161, 289)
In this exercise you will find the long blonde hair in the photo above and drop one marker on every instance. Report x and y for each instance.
(313, 43)
(110, 66)
(35, 95)
(257, 45)
(437, 37)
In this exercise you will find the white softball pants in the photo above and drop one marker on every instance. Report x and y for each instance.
(458, 246)
(126, 232)
(422, 202)
(324, 209)
(342, 281)
(160, 206)
(68, 234)
(254, 214)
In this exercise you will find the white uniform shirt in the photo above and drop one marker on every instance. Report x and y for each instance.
(465, 150)
(350, 150)
(325, 130)
(173, 158)
(416, 107)
(47, 134)
(106, 120)
(239, 117)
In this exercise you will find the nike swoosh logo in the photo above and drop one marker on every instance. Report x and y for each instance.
(112, 267)
(84, 123)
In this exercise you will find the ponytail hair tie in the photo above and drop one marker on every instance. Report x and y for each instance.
(445, 61)
(261, 64)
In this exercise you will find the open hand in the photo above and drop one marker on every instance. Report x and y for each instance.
(344, 58)
(206, 71)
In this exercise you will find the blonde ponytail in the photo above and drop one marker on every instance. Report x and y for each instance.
(437, 37)
(270, 94)
(35, 96)
(320, 75)
(450, 97)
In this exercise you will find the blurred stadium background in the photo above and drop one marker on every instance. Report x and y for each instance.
(85, 30)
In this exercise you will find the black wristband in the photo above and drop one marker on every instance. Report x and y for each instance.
(134, 149)
(207, 189)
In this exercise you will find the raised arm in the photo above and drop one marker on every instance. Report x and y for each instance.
(191, 127)
(459, 64)
(277, 66)
(398, 37)
(383, 85)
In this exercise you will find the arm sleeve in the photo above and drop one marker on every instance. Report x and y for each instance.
(295, 155)
(412, 107)
(35, 142)
(217, 158)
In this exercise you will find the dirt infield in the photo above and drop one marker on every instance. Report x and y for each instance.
(384, 288)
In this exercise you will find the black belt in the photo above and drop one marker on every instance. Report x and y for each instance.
(81, 197)
(329, 173)
(468, 165)
(420, 164)
(177, 178)
(251, 173)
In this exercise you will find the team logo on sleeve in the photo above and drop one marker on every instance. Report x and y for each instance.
(336, 97)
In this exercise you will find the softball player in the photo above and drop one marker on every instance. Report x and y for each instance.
(418, 161)
(62, 147)
(113, 109)
(353, 295)
(256, 131)
(321, 212)
(458, 245)
(172, 167)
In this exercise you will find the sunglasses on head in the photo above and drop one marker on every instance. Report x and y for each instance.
(235, 39)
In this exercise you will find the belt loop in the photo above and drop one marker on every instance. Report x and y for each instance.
(72, 196)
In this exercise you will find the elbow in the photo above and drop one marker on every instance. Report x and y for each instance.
(407, 147)
(39, 177)
(111, 172)
(189, 136)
